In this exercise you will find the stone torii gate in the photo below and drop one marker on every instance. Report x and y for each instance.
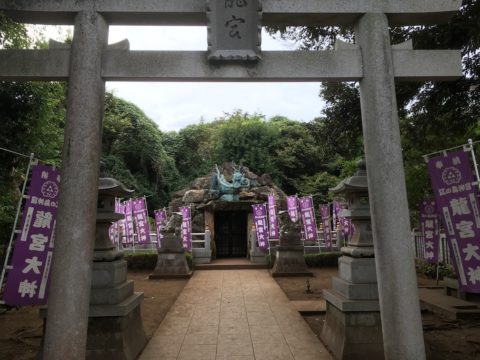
(373, 61)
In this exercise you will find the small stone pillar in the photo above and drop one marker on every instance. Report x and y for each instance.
(352, 325)
(290, 259)
(171, 260)
(115, 328)
(257, 256)
(203, 255)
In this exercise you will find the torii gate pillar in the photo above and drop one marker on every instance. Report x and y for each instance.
(399, 305)
(81, 158)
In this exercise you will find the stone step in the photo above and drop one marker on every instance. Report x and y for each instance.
(231, 264)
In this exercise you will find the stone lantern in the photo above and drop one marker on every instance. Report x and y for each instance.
(352, 324)
(115, 328)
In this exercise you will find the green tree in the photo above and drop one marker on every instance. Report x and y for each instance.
(134, 154)
(249, 140)
(32, 116)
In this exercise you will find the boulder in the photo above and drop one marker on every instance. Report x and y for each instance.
(246, 195)
(202, 183)
(193, 196)
(265, 180)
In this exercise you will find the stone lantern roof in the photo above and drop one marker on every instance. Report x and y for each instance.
(355, 183)
(112, 187)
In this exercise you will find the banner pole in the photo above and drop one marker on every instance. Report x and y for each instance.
(15, 222)
(147, 220)
(133, 228)
(470, 143)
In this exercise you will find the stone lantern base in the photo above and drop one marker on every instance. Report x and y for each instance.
(115, 328)
(352, 324)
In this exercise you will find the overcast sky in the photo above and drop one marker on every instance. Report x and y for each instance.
(174, 105)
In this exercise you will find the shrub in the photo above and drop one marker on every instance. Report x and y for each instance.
(329, 259)
(430, 270)
(189, 260)
(146, 261)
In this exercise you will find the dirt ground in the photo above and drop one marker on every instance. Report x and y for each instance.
(21, 330)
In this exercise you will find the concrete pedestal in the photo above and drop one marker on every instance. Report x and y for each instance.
(115, 328)
(290, 262)
(258, 257)
(352, 324)
(171, 260)
(201, 256)
(353, 335)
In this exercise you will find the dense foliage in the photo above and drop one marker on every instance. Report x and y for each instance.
(433, 116)
(301, 157)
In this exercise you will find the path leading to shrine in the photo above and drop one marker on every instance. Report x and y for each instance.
(233, 314)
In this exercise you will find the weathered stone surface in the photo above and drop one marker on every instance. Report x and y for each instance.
(201, 183)
(353, 335)
(171, 260)
(265, 180)
(116, 337)
(198, 222)
(180, 193)
(246, 195)
(175, 204)
(402, 325)
(193, 196)
(357, 270)
(111, 295)
(275, 12)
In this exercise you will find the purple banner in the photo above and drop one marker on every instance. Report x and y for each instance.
(114, 230)
(327, 231)
(337, 208)
(27, 281)
(186, 228)
(273, 227)
(129, 229)
(456, 199)
(260, 221)
(308, 218)
(160, 219)
(429, 222)
(141, 220)
(292, 207)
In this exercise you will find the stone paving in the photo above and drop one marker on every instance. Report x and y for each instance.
(237, 315)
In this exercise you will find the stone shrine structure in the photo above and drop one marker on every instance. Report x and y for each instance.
(222, 202)
(171, 260)
(115, 327)
(289, 254)
(352, 325)
(372, 61)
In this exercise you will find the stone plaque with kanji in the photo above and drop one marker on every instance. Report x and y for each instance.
(234, 29)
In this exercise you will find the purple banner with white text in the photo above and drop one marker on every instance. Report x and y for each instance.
(129, 229)
(327, 231)
(141, 220)
(274, 231)
(429, 222)
(308, 218)
(261, 226)
(186, 228)
(292, 207)
(160, 219)
(27, 281)
(456, 198)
